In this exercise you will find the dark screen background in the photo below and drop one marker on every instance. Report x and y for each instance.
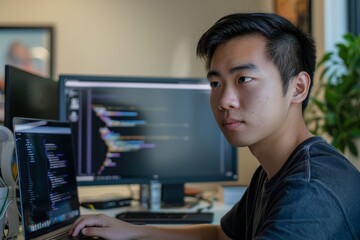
(174, 137)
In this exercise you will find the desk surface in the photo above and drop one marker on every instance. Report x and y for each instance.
(218, 209)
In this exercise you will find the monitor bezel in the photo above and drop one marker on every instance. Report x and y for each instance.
(10, 74)
(139, 79)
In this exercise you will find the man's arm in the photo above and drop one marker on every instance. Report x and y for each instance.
(111, 228)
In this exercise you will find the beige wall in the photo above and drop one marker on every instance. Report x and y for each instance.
(126, 37)
(133, 37)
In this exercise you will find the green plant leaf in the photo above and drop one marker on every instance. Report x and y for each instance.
(336, 111)
(352, 148)
(325, 59)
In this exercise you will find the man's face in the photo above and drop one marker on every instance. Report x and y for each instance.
(247, 98)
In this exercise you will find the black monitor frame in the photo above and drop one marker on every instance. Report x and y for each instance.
(29, 95)
(173, 186)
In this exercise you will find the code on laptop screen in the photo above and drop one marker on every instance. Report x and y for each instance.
(46, 174)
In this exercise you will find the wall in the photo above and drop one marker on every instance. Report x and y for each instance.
(133, 37)
(125, 37)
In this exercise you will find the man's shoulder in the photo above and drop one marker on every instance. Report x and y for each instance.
(317, 159)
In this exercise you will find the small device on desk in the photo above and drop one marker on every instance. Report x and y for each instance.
(106, 202)
(144, 217)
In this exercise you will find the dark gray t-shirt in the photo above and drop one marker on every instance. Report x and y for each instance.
(315, 195)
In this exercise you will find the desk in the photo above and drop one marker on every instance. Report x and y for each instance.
(86, 193)
(218, 209)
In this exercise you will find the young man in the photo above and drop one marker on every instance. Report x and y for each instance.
(260, 68)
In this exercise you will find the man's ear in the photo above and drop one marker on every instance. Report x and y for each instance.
(301, 85)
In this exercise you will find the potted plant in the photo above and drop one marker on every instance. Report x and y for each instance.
(334, 108)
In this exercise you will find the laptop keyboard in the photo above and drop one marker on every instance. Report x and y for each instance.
(65, 236)
(144, 217)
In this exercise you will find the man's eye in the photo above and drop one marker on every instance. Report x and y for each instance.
(214, 84)
(245, 79)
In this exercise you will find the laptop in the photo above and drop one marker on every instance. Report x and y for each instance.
(47, 179)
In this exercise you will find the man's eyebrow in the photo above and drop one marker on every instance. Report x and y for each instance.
(247, 66)
(212, 73)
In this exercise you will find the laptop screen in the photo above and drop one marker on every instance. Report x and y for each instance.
(47, 181)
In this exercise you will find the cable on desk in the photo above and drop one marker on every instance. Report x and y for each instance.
(210, 206)
(132, 192)
(199, 197)
(89, 206)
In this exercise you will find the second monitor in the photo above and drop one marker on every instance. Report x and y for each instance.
(29, 95)
(140, 130)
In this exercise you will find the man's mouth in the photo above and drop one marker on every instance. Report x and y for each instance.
(232, 124)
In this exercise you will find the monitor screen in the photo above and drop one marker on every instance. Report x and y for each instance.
(29, 95)
(137, 130)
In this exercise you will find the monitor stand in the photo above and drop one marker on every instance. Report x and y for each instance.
(172, 195)
(154, 196)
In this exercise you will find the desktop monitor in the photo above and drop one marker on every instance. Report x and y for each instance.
(29, 95)
(135, 130)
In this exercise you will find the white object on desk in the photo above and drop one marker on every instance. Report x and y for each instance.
(6, 155)
(8, 207)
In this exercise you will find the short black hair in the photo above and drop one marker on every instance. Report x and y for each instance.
(290, 48)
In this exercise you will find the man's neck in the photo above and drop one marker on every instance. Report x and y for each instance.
(273, 152)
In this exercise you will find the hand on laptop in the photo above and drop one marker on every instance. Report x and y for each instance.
(103, 226)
